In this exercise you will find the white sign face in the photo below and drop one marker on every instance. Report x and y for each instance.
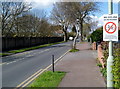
(110, 27)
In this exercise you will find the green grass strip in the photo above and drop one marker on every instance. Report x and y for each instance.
(48, 79)
(4, 54)
(27, 49)
(74, 50)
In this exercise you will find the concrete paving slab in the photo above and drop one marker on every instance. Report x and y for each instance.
(81, 68)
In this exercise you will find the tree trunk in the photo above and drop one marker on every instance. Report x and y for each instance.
(81, 29)
(65, 36)
(65, 32)
(74, 42)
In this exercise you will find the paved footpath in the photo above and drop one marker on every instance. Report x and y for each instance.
(81, 68)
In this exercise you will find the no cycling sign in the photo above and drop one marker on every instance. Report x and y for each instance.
(110, 27)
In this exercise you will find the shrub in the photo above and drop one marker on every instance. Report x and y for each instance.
(116, 64)
(97, 35)
(116, 69)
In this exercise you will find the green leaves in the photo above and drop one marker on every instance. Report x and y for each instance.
(116, 69)
(48, 79)
(97, 35)
(116, 63)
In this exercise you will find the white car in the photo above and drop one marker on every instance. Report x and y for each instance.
(70, 38)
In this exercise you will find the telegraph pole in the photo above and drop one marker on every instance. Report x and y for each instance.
(110, 57)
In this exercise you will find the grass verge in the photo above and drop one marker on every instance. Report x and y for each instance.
(48, 79)
(27, 49)
(74, 50)
(4, 54)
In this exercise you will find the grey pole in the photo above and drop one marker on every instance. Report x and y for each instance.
(110, 6)
(110, 58)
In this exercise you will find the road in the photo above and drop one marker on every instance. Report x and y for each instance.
(18, 67)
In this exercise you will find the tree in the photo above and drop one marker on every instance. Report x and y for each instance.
(10, 11)
(88, 27)
(30, 25)
(78, 11)
(41, 25)
(74, 13)
(26, 26)
(72, 33)
(74, 29)
(56, 30)
(44, 28)
(59, 18)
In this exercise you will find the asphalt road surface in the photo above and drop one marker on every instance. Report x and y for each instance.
(18, 67)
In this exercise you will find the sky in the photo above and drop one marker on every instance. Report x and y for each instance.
(47, 5)
(104, 10)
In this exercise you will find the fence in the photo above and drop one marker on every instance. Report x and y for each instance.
(10, 43)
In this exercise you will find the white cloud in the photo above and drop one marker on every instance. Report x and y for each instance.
(42, 4)
(99, 19)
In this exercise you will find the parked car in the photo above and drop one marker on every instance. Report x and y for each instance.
(70, 38)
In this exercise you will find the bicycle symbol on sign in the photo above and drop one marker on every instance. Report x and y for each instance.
(110, 27)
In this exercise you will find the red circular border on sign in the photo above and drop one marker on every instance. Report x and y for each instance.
(106, 29)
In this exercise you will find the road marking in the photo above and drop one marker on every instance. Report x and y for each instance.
(35, 75)
(28, 78)
(45, 50)
(14, 61)
(26, 57)
(18, 54)
(20, 59)
(9, 63)
(34, 53)
(32, 79)
(2, 63)
(29, 55)
(23, 53)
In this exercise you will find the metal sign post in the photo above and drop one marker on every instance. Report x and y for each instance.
(110, 33)
(110, 58)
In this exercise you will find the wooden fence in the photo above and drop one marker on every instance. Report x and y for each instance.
(10, 43)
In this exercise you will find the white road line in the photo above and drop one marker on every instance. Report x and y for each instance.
(13, 61)
(29, 55)
(34, 53)
(44, 50)
(7, 63)
(24, 84)
(61, 56)
(20, 59)
(17, 54)
(32, 79)
(25, 57)
(2, 63)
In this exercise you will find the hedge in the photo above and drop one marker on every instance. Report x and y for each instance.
(97, 35)
(116, 64)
